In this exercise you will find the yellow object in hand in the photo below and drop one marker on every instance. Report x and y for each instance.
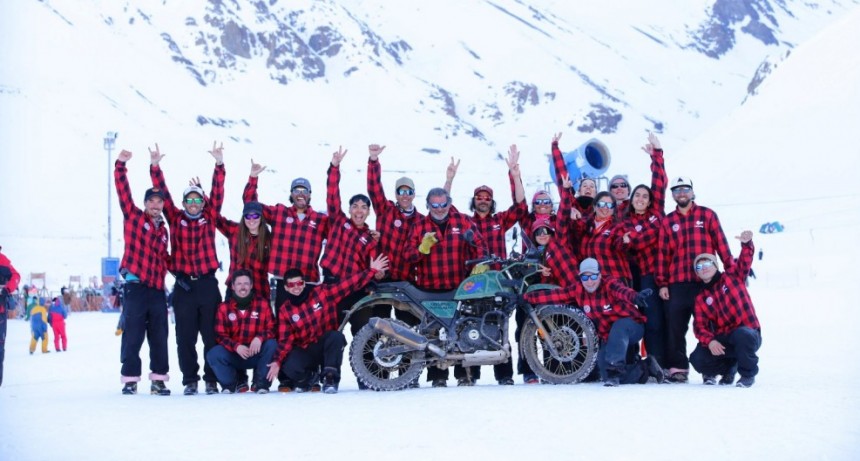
(427, 243)
(480, 269)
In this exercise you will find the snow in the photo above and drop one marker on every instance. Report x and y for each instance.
(790, 153)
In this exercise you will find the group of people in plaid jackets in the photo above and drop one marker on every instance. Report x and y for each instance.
(641, 274)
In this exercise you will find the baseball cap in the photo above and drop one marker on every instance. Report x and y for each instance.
(589, 265)
(301, 182)
(192, 189)
(153, 192)
(484, 188)
(404, 182)
(681, 181)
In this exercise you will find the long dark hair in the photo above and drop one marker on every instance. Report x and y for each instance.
(261, 251)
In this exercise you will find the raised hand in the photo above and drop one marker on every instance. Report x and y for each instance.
(566, 182)
(256, 169)
(556, 137)
(194, 182)
(124, 156)
(452, 169)
(338, 156)
(374, 150)
(745, 236)
(653, 144)
(513, 157)
(217, 152)
(155, 156)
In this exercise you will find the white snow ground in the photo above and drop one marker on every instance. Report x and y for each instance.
(67, 406)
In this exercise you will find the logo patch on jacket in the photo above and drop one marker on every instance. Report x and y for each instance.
(675, 227)
(586, 308)
(347, 226)
(290, 219)
(363, 240)
(497, 227)
(700, 224)
(316, 307)
(295, 317)
(709, 301)
(455, 230)
(255, 315)
(652, 218)
(313, 223)
(607, 307)
(398, 223)
(638, 228)
(231, 316)
(183, 223)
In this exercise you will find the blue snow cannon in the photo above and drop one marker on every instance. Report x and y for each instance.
(591, 159)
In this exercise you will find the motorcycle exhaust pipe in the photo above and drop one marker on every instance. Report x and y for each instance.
(485, 358)
(404, 335)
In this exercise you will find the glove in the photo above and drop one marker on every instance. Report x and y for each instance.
(641, 299)
(427, 243)
(480, 269)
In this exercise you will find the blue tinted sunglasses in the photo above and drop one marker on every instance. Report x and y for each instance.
(405, 191)
(543, 201)
(609, 205)
(438, 205)
(704, 265)
(586, 277)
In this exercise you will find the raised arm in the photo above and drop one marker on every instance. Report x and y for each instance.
(518, 191)
(558, 163)
(374, 179)
(216, 195)
(333, 201)
(721, 243)
(659, 180)
(450, 173)
(123, 190)
(742, 267)
(157, 177)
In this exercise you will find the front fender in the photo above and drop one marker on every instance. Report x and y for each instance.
(541, 286)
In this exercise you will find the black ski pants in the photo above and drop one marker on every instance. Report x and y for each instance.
(194, 310)
(145, 312)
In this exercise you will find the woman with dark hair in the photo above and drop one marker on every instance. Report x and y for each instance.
(601, 238)
(249, 247)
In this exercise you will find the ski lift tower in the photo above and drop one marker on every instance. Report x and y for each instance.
(110, 265)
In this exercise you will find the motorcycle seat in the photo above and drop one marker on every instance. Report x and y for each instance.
(416, 293)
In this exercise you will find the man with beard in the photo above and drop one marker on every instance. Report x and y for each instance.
(193, 261)
(437, 247)
(308, 336)
(610, 305)
(688, 231)
(245, 333)
(493, 226)
(143, 266)
(298, 231)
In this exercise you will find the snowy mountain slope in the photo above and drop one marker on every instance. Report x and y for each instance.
(429, 80)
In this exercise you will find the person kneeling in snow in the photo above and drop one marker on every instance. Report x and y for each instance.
(245, 336)
(308, 336)
(610, 305)
(725, 322)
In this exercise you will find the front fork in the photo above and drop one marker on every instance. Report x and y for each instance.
(531, 312)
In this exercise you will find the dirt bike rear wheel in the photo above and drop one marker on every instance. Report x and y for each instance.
(574, 338)
(383, 373)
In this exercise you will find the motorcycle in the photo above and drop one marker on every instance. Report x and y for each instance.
(469, 326)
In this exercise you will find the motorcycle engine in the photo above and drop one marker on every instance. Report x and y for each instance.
(469, 337)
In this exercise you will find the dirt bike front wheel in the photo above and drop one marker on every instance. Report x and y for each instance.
(574, 339)
(383, 372)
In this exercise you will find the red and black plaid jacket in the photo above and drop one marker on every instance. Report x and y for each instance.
(238, 327)
(494, 226)
(606, 245)
(644, 231)
(348, 249)
(393, 225)
(682, 238)
(192, 241)
(724, 305)
(303, 325)
(659, 182)
(558, 254)
(610, 302)
(445, 267)
(258, 268)
(145, 253)
(296, 243)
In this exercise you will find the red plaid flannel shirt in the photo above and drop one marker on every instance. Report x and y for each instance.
(296, 243)
(610, 302)
(605, 245)
(445, 267)
(724, 305)
(392, 224)
(558, 254)
(259, 268)
(659, 182)
(682, 238)
(644, 231)
(192, 241)
(303, 325)
(348, 249)
(145, 253)
(236, 327)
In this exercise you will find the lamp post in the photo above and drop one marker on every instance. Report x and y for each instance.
(110, 139)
